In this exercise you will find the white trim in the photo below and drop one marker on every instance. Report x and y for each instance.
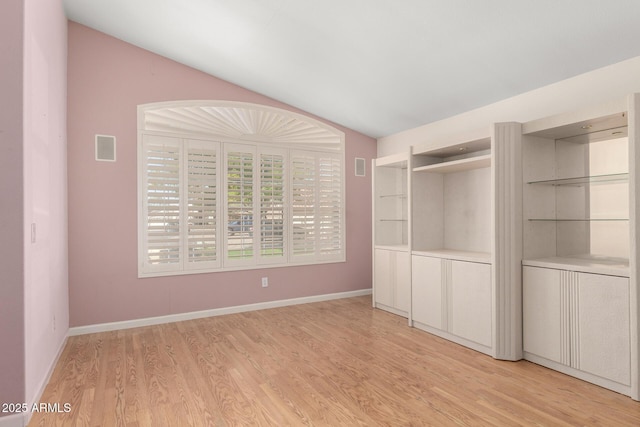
(22, 419)
(15, 420)
(243, 121)
(453, 338)
(294, 263)
(582, 375)
(393, 310)
(149, 321)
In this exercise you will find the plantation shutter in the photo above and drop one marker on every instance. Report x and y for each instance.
(228, 186)
(240, 204)
(272, 206)
(202, 196)
(329, 213)
(161, 190)
(303, 205)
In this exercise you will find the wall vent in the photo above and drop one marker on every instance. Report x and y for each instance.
(360, 167)
(106, 148)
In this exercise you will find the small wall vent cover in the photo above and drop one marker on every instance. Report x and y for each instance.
(360, 167)
(106, 148)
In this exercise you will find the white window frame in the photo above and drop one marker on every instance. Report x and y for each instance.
(270, 131)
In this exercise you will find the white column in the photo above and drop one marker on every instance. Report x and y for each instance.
(634, 264)
(506, 181)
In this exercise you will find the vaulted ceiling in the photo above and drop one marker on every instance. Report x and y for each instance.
(378, 66)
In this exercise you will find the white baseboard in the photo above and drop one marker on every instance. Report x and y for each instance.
(127, 324)
(22, 419)
(15, 420)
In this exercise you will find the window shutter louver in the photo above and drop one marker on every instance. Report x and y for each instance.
(303, 204)
(272, 207)
(161, 208)
(240, 208)
(329, 212)
(202, 196)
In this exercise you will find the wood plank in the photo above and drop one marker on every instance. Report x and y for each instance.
(330, 363)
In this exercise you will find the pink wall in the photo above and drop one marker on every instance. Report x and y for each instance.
(107, 80)
(46, 291)
(11, 195)
(34, 283)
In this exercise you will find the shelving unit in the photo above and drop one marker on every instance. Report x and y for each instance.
(522, 242)
(577, 197)
(584, 185)
(451, 242)
(579, 283)
(452, 198)
(464, 238)
(391, 225)
(391, 204)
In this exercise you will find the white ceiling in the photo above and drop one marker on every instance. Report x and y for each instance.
(378, 66)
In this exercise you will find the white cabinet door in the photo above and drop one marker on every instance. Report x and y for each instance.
(402, 297)
(578, 319)
(470, 316)
(392, 279)
(426, 290)
(454, 296)
(384, 271)
(542, 313)
(604, 343)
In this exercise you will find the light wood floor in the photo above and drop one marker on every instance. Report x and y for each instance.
(335, 363)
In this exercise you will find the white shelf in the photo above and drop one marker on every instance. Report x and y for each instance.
(614, 178)
(584, 263)
(480, 257)
(473, 142)
(395, 160)
(578, 219)
(457, 165)
(399, 248)
(398, 196)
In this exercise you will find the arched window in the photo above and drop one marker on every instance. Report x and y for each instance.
(230, 185)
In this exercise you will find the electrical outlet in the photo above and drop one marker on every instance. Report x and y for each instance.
(265, 282)
(54, 322)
